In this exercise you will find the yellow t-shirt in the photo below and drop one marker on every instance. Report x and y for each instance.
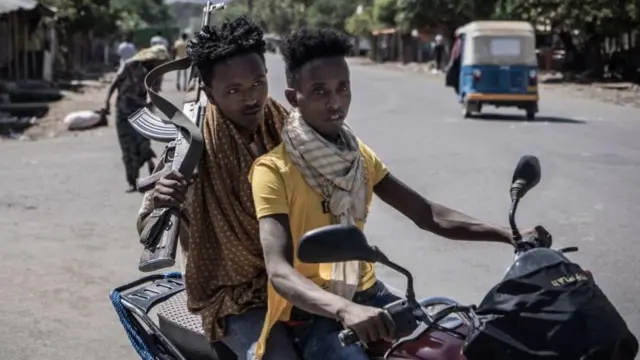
(279, 188)
(181, 48)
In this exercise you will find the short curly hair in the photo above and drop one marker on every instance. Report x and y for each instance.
(305, 45)
(233, 37)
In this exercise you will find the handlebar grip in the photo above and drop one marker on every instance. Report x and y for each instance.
(544, 238)
(348, 337)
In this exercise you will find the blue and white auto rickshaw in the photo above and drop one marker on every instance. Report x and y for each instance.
(497, 66)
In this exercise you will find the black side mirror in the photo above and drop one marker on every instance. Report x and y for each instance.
(335, 243)
(526, 175)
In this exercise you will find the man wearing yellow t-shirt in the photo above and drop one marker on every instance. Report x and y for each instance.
(322, 174)
(179, 52)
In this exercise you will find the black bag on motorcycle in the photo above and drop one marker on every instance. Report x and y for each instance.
(554, 312)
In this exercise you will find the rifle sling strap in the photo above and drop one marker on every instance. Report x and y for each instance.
(189, 158)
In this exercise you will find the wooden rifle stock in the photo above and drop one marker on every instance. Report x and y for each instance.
(161, 253)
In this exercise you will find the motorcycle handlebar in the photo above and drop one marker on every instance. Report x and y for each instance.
(348, 337)
(542, 238)
(403, 314)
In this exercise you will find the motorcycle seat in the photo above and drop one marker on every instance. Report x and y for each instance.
(185, 331)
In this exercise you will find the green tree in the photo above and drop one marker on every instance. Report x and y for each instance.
(591, 20)
(385, 12)
(607, 17)
(279, 16)
(128, 22)
(151, 12)
(446, 15)
(330, 13)
(76, 16)
(361, 25)
(233, 10)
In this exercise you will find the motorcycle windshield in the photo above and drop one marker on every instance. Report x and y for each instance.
(533, 260)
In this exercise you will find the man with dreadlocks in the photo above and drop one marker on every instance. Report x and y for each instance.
(225, 273)
(323, 174)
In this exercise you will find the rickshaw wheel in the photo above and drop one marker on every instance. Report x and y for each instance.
(531, 111)
(466, 112)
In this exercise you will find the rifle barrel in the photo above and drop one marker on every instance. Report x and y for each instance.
(210, 9)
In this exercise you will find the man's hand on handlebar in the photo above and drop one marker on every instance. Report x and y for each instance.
(539, 236)
(369, 323)
(170, 191)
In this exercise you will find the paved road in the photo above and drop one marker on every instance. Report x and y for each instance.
(68, 227)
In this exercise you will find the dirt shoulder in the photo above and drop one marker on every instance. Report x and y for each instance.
(90, 95)
(617, 93)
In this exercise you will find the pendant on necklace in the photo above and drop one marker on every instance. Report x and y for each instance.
(325, 207)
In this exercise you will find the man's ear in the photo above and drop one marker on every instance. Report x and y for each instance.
(291, 95)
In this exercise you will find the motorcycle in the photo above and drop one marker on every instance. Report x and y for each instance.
(434, 328)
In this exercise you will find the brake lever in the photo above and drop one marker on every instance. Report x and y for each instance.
(415, 336)
(568, 249)
(428, 325)
(524, 245)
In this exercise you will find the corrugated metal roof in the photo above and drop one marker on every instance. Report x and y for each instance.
(13, 5)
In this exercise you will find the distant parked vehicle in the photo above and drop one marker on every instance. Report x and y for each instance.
(497, 66)
(273, 42)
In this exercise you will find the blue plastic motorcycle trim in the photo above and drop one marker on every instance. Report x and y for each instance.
(131, 326)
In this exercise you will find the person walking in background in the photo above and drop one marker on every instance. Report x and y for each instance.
(126, 50)
(132, 95)
(179, 52)
(159, 40)
(452, 70)
(438, 49)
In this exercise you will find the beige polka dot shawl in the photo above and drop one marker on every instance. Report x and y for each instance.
(225, 271)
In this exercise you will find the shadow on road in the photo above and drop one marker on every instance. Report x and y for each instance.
(521, 118)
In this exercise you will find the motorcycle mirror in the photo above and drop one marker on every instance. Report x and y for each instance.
(526, 175)
(335, 243)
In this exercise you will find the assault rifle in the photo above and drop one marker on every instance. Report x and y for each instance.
(181, 130)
